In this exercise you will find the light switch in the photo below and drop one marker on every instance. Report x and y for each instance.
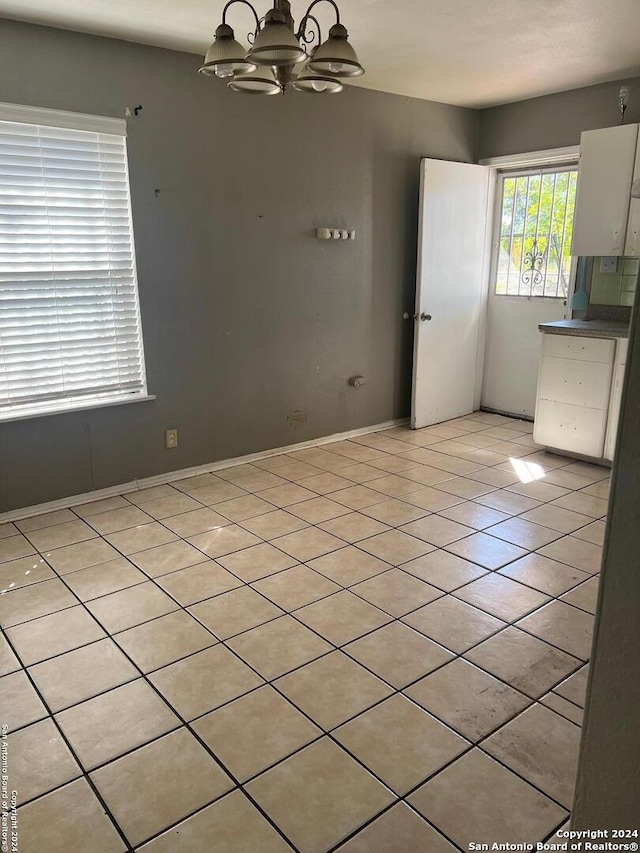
(609, 265)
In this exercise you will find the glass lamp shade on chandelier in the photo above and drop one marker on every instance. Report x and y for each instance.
(280, 57)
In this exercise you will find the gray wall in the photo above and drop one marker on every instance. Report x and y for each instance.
(608, 786)
(245, 316)
(554, 120)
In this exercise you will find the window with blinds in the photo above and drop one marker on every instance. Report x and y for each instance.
(70, 331)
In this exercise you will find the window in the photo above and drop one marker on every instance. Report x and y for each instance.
(70, 332)
(535, 231)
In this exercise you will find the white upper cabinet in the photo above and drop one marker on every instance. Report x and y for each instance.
(632, 243)
(608, 160)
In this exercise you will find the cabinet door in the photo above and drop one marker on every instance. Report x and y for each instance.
(632, 243)
(607, 160)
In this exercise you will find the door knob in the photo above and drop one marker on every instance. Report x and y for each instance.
(424, 316)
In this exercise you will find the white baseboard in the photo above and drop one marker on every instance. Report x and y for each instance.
(170, 476)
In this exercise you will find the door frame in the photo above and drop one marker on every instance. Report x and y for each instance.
(544, 158)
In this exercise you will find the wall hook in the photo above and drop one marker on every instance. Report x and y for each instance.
(137, 110)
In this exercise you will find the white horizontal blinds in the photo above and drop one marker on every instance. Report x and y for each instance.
(69, 313)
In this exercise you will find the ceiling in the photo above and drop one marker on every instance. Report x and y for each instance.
(473, 53)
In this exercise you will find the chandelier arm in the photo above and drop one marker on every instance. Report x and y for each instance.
(245, 3)
(303, 22)
(308, 37)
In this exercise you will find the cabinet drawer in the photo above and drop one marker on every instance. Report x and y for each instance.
(580, 383)
(580, 349)
(573, 428)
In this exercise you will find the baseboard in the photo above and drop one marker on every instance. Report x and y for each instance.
(181, 474)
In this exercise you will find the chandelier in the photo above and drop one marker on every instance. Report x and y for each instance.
(279, 56)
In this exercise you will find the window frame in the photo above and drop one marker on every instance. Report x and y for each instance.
(96, 399)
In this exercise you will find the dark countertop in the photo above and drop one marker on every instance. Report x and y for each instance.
(586, 328)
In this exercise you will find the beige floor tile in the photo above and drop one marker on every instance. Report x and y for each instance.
(394, 485)
(593, 532)
(365, 473)
(129, 607)
(196, 583)
(432, 499)
(584, 596)
(170, 505)
(235, 472)
(584, 503)
(467, 699)
(290, 469)
(126, 717)
(524, 533)
(396, 547)
(195, 521)
(278, 646)
(564, 626)
(204, 681)
(231, 825)
(542, 747)
(400, 743)
(527, 663)
(119, 519)
(332, 689)
(563, 707)
(352, 450)
(140, 788)
(295, 587)
(326, 482)
(308, 544)
(436, 530)
(399, 830)
(587, 469)
(508, 502)
(348, 566)
(8, 661)
(600, 489)
(20, 703)
(395, 512)
(277, 522)
(501, 597)
(14, 547)
(496, 476)
(286, 495)
(60, 535)
(81, 556)
(566, 479)
(30, 602)
(474, 515)
(46, 519)
(85, 672)
(396, 592)
(256, 731)
(167, 558)
(575, 552)
(104, 505)
(342, 617)
(71, 818)
(39, 761)
(8, 529)
(104, 579)
(153, 493)
(234, 612)
(165, 640)
(453, 624)
(398, 654)
(241, 509)
(353, 527)
(225, 540)
(557, 518)
(538, 490)
(544, 574)
(574, 688)
(259, 481)
(486, 550)
(444, 570)
(141, 537)
(258, 561)
(23, 572)
(477, 800)
(357, 497)
(319, 796)
(217, 492)
(55, 634)
(317, 509)
(464, 487)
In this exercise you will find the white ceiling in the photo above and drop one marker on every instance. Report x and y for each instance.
(474, 53)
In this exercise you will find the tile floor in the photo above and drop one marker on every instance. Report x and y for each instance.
(375, 645)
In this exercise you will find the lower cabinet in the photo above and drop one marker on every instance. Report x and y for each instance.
(579, 390)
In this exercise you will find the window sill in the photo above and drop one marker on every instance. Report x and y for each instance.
(77, 406)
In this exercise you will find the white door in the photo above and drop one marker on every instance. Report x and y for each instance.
(531, 279)
(449, 287)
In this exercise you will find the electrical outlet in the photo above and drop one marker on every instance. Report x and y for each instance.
(171, 438)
